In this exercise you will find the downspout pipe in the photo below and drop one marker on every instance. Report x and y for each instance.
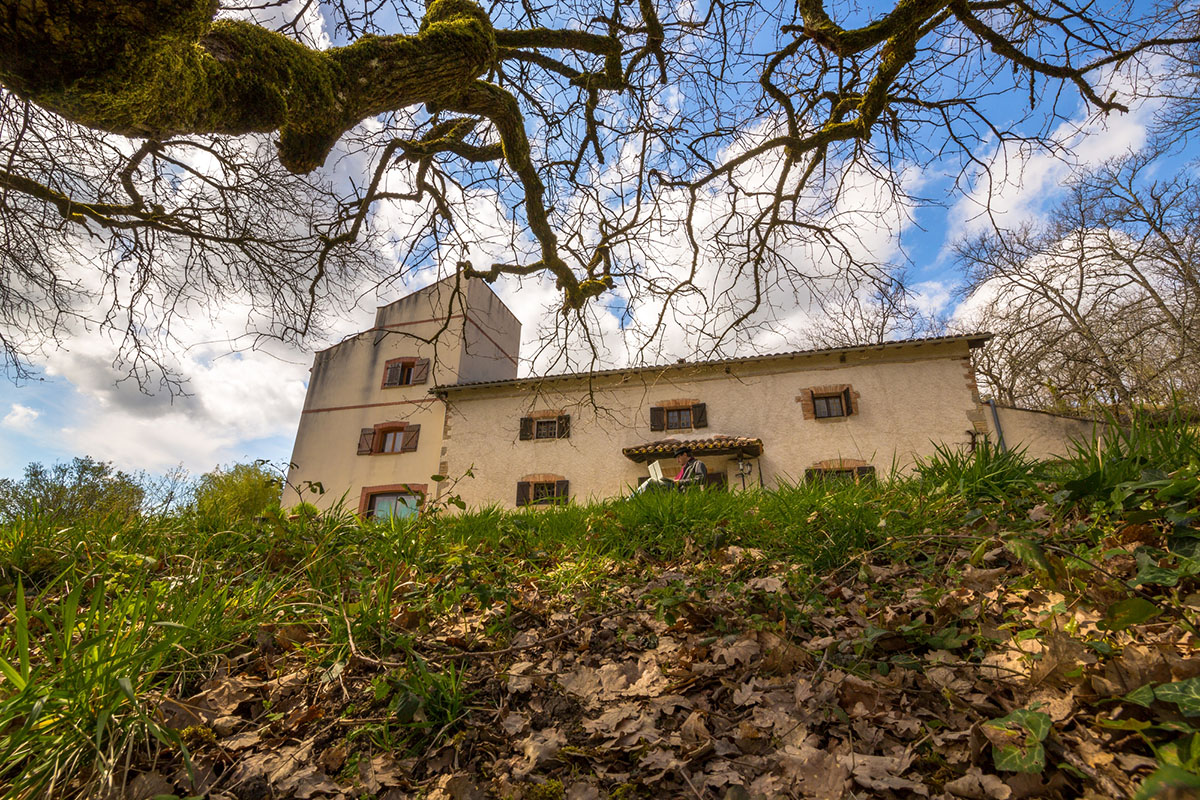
(991, 401)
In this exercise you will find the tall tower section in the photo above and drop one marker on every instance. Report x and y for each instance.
(370, 432)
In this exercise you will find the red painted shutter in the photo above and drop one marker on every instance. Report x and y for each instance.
(658, 418)
(526, 428)
(409, 437)
(523, 488)
(420, 371)
(564, 426)
(366, 438)
(562, 490)
(699, 415)
(847, 406)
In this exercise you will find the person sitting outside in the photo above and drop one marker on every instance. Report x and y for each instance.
(692, 473)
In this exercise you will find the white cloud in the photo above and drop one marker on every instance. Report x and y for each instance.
(20, 417)
(932, 297)
(1021, 182)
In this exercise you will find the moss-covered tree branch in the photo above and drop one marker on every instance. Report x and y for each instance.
(160, 69)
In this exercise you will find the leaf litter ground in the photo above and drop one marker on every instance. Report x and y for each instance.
(971, 676)
(959, 641)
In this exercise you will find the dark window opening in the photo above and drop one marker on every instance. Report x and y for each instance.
(542, 493)
(406, 372)
(679, 418)
(551, 428)
(828, 406)
(399, 375)
(840, 474)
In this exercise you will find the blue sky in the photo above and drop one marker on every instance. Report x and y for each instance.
(245, 405)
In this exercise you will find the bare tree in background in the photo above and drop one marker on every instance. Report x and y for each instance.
(182, 151)
(1100, 306)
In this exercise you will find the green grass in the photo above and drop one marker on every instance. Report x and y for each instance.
(103, 618)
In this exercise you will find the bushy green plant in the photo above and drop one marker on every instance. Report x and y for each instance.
(70, 493)
(987, 471)
(240, 493)
(1124, 449)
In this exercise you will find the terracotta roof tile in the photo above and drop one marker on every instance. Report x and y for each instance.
(711, 446)
(973, 340)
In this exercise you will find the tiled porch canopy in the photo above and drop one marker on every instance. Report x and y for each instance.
(740, 446)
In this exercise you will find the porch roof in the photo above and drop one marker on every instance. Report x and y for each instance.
(742, 446)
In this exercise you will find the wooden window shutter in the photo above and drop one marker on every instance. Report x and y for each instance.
(561, 490)
(523, 488)
(847, 406)
(699, 415)
(366, 441)
(526, 428)
(658, 418)
(409, 437)
(564, 426)
(391, 375)
(420, 370)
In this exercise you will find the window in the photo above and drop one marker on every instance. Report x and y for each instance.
(393, 504)
(828, 407)
(389, 438)
(839, 473)
(678, 417)
(542, 492)
(828, 402)
(557, 427)
(392, 440)
(405, 372)
(392, 500)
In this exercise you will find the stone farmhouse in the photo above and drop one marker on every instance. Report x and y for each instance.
(432, 390)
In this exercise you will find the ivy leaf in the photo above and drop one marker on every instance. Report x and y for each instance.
(1142, 696)
(1131, 611)
(1019, 759)
(1185, 694)
(1153, 574)
(1017, 741)
(1165, 780)
(1032, 555)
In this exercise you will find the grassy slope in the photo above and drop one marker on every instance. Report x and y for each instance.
(987, 630)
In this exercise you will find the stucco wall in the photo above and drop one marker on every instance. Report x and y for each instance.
(907, 398)
(1042, 435)
(345, 391)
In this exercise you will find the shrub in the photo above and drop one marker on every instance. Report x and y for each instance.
(241, 493)
(72, 493)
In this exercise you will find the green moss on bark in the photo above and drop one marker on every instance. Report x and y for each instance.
(183, 73)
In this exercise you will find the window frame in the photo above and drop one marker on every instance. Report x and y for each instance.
(550, 424)
(548, 493)
(410, 371)
(679, 415)
(373, 499)
(855, 474)
(368, 493)
(697, 415)
(822, 401)
(559, 491)
(405, 437)
(527, 428)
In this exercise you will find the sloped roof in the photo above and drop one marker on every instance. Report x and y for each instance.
(973, 341)
(712, 446)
